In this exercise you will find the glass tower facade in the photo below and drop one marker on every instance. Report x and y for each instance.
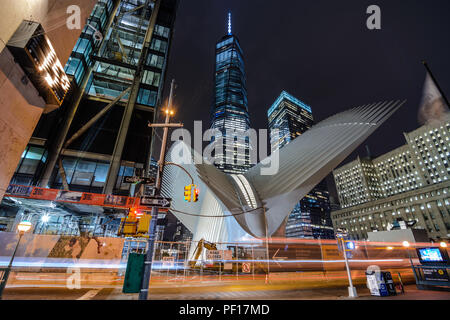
(311, 216)
(230, 107)
(103, 64)
(291, 117)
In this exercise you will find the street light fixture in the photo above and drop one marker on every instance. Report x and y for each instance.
(143, 293)
(340, 238)
(406, 244)
(23, 227)
(443, 245)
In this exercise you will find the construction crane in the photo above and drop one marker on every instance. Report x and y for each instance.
(199, 249)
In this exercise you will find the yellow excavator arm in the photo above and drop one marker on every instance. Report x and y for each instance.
(199, 249)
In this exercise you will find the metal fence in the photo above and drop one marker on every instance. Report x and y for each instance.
(304, 259)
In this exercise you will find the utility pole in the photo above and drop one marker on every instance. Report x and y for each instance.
(143, 294)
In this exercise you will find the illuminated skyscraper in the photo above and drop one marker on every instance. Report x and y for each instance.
(311, 216)
(291, 117)
(230, 107)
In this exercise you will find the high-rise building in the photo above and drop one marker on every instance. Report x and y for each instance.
(411, 182)
(230, 108)
(42, 26)
(100, 133)
(289, 118)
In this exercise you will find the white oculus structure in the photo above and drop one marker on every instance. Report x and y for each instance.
(233, 208)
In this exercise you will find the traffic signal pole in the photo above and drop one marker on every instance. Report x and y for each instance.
(143, 294)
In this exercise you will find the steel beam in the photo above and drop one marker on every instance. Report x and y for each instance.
(95, 118)
(126, 119)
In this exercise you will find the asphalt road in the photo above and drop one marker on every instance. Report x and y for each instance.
(411, 293)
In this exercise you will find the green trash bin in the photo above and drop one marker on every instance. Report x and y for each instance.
(134, 274)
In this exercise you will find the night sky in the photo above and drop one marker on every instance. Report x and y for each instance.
(319, 51)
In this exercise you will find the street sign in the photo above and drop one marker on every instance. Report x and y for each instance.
(246, 267)
(341, 233)
(350, 245)
(135, 179)
(214, 255)
(156, 202)
(435, 274)
(168, 262)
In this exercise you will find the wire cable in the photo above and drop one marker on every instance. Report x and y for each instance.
(223, 216)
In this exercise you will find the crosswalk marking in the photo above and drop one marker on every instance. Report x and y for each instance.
(89, 295)
(215, 295)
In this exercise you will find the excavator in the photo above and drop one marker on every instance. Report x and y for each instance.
(218, 265)
(199, 249)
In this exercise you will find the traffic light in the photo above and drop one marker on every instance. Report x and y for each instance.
(195, 194)
(128, 226)
(144, 223)
(188, 193)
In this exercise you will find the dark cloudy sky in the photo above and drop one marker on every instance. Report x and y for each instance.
(320, 51)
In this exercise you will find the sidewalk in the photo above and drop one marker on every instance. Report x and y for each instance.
(411, 293)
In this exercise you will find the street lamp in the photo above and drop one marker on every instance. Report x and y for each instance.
(143, 293)
(406, 244)
(23, 227)
(340, 237)
(443, 245)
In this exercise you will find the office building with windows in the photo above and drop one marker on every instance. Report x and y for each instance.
(289, 118)
(230, 108)
(411, 183)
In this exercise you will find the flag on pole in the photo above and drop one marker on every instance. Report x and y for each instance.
(432, 107)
